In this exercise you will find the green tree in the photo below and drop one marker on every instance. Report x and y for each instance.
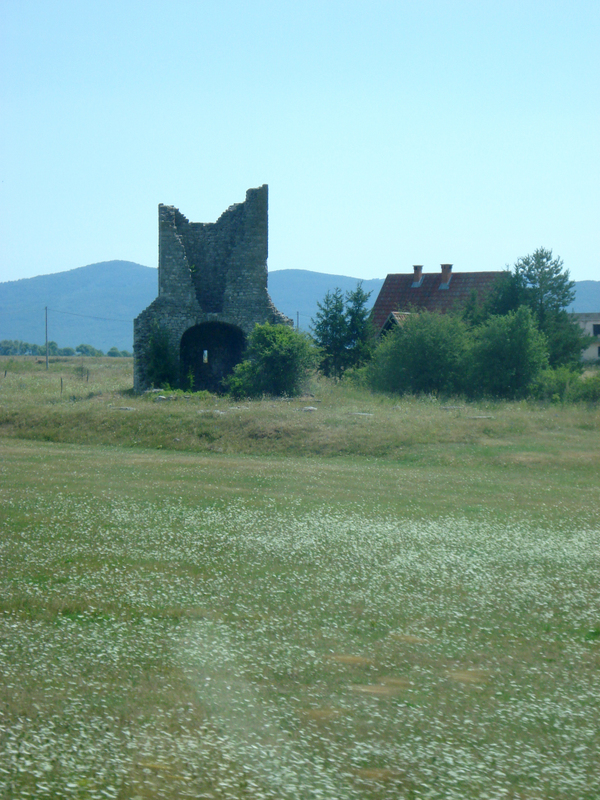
(473, 312)
(342, 331)
(15, 347)
(278, 361)
(508, 354)
(428, 353)
(566, 340)
(330, 332)
(359, 330)
(505, 296)
(541, 283)
(88, 350)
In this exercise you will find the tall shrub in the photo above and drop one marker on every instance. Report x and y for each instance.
(428, 353)
(508, 354)
(278, 360)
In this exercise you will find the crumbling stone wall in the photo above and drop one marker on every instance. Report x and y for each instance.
(212, 290)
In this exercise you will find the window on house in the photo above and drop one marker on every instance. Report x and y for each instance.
(595, 330)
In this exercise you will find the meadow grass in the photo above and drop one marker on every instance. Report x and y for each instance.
(101, 409)
(416, 619)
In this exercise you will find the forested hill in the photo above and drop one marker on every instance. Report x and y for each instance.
(97, 304)
(587, 297)
(116, 291)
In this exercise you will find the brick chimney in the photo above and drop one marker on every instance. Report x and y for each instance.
(418, 276)
(446, 275)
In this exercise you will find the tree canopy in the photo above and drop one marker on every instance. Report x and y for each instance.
(342, 331)
(540, 282)
(508, 354)
(543, 284)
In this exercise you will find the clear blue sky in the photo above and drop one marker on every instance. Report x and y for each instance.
(390, 133)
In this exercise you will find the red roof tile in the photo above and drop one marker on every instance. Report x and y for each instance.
(398, 293)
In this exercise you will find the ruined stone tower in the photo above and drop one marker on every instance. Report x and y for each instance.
(212, 291)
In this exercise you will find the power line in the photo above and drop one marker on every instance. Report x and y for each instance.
(88, 316)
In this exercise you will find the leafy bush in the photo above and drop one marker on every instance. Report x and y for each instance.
(436, 353)
(278, 361)
(427, 354)
(508, 354)
(564, 385)
(587, 389)
(555, 383)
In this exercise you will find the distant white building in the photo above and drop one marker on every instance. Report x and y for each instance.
(590, 324)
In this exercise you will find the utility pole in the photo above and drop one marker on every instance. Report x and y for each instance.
(46, 337)
(297, 320)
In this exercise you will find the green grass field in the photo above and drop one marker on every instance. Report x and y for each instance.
(375, 599)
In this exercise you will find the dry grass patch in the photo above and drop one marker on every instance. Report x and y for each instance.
(350, 660)
(31, 406)
(376, 689)
(469, 675)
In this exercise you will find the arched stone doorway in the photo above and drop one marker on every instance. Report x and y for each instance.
(208, 353)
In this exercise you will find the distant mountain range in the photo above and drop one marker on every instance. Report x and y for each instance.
(587, 297)
(89, 305)
(97, 304)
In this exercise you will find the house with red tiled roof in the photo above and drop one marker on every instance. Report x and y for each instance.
(442, 292)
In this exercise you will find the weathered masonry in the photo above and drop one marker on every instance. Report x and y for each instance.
(212, 291)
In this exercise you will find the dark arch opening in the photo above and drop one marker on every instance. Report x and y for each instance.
(208, 354)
